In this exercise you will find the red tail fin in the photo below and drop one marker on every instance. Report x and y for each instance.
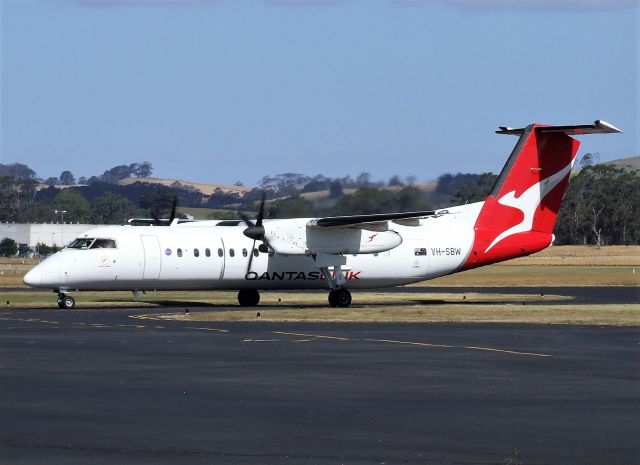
(518, 215)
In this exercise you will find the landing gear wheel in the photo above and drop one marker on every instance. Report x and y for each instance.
(333, 297)
(66, 302)
(344, 298)
(339, 298)
(248, 297)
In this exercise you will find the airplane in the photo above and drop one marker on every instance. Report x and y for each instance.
(337, 253)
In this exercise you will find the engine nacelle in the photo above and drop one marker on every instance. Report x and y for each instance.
(350, 241)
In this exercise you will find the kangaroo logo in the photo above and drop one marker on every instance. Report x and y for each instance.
(528, 202)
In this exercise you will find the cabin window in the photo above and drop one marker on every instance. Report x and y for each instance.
(207, 252)
(196, 253)
(80, 243)
(231, 253)
(103, 244)
(167, 252)
(244, 252)
(220, 253)
(179, 252)
(256, 252)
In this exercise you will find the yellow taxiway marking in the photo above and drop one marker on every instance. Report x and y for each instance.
(312, 335)
(209, 329)
(444, 346)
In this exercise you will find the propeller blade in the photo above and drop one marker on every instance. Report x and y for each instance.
(174, 205)
(247, 220)
(251, 257)
(156, 220)
(261, 209)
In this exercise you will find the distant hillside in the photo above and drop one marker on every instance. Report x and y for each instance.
(633, 162)
(206, 189)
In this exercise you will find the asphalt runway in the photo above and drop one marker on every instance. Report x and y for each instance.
(106, 386)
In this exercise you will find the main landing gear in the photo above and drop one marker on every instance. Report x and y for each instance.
(248, 297)
(340, 297)
(66, 301)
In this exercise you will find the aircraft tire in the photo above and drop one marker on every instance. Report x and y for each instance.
(248, 297)
(67, 302)
(333, 297)
(343, 297)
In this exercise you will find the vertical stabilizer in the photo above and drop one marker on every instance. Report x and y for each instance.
(519, 213)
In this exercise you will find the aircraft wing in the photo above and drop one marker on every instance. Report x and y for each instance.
(371, 221)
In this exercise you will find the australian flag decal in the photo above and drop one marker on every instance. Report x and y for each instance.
(420, 251)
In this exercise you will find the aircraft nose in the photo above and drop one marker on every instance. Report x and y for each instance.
(33, 278)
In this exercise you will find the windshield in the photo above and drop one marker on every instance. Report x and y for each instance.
(81, 243)
(103, 244)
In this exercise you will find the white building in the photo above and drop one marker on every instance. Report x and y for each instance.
(51, 234)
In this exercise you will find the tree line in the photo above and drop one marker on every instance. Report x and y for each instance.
(601, 205)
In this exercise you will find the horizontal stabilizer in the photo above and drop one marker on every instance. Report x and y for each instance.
(598, 127)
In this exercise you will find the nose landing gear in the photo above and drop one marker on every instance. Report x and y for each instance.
(66, 301)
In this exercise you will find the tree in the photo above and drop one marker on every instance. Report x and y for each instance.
(17, 171)
(52, 181)
(37, 213)
(367, 201)
(395, 181)
(67, 178)
(601, 206)
(44, 250)
(363, 180)
(112, 208)
(24, 250)
(8, 247)
(335, 189)
(77, 208)
(291, 207)
(144, 170)
(82, 180)
(159, 201)
(15, 194)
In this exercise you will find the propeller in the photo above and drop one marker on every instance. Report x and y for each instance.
(256, 231)
(163, 222)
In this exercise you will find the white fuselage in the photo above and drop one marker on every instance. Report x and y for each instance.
(204, 255)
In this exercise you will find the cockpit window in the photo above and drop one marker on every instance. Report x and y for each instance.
(104, 244)
(81, 243)
(91, 243)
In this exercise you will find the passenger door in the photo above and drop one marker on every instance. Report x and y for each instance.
(152, 257)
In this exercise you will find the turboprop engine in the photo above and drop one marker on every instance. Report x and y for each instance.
(350, 241)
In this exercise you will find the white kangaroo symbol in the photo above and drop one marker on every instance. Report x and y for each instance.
(528, 202)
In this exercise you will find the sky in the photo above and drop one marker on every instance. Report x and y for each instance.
(219, 91)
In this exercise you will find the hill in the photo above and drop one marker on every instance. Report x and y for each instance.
(206, 189)
(633, 162)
